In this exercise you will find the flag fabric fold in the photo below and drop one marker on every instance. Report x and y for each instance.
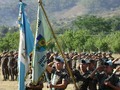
(43, 35)
(26, 44)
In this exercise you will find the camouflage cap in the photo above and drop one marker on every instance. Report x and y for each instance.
(84, 61)
(59, 59)
(108, 63)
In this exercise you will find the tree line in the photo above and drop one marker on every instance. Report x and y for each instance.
(85, 33)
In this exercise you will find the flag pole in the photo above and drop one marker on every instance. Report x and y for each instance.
(40, 3)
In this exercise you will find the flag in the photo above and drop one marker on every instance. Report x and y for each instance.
(39, 63)
(26, 44)
(43, 35)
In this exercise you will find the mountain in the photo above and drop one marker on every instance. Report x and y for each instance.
(9, 10)
(58, 9)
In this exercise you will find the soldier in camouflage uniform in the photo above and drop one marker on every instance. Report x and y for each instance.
(81, 76)
(59, 80)
(28, 82)
(30, 86)
(11, 64)
(4, 66)
(93, 82)
(107, 80)
(110, 57)
(16, 65)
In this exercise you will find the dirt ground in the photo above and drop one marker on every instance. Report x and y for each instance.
(13, 85)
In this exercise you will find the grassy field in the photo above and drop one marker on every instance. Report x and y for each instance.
(13, 85)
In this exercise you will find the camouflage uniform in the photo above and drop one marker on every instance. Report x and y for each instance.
(28, 82)
(4, 66)
(81, 80)
(11, 65)
(114, 80)
(93, 81)
(57, 77)
(38, 84)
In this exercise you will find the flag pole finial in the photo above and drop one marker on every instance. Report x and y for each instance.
(40, 1)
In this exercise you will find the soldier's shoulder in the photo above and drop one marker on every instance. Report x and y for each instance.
(64, 71)
(115, 78)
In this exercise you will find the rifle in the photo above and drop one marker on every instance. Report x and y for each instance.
(113, 73)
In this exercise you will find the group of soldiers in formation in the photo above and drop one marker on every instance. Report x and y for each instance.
(91, 71)
(8, 62)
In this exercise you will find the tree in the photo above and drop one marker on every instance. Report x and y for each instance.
(13, 29)
(92, 23)
(114, 41)
(68, 39)
(90, 44)
(3, 30)
(10, 41)
(115, 23)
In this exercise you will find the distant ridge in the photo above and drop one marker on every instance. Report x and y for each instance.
(59, 9)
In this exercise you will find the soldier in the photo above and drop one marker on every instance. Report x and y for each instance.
(39, 86)
(104, 57)
(56, 54)
(81, 76)
(100, 61)
(11, 65)
(91, 68)
(0, 59)
(49, 60)
(110, 57)
(16, 65)
(107, 80)
(4, 66)
(74, 60)
(59, 80)
(29, 85)
(112, 82)
(68, 59)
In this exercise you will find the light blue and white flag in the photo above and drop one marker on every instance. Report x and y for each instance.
(26, 44)
(43, 35)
